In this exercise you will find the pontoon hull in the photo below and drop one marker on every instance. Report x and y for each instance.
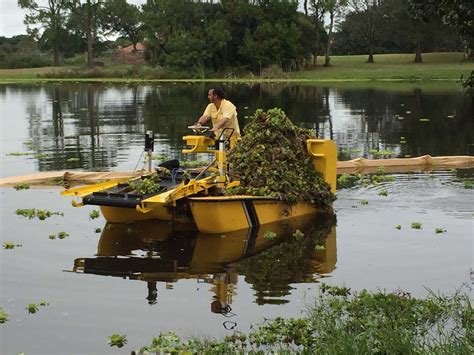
(222, 214)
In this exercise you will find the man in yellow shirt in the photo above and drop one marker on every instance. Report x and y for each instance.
(222, 113)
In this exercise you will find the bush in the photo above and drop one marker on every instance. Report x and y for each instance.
(77, 60)
(17, 60)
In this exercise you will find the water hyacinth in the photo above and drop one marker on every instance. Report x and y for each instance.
(272, 160)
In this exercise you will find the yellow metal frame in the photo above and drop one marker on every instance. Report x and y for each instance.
(323, 153)
(218, 214)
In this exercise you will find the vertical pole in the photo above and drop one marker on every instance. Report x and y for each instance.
(149, 143)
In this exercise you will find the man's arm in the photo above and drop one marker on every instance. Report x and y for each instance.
(220, 124)
(226, 115)
(203, 119)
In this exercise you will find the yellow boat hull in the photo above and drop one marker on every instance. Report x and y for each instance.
(222, 214)
(123, 215)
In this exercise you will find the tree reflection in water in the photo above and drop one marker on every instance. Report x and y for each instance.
(156, 252)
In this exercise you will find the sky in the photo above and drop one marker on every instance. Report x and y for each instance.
(11, 17)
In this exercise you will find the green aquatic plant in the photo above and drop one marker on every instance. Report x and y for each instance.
(298, 234)
(32, 308)
(380, 170)
(272, 160)
(62, 235)
(98, 230)
(3, 316)
(468, 184)
(269, 235)
(148, 185)
(21, 186)
(348, 180)
(40, 214)
(381, 153)
(319, 247)
(440, 230)
(19, 154)
(383, 193)
(44, 303)
(117, 340)
(193, 163)
(342, 321)
(416, 225)
(167, 343)
(52, 236)
(398, 226)
(10, 245)
(94, 214)
(364, 202)
(351, 180)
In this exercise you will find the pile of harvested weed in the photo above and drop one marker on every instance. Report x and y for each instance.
(272, 160)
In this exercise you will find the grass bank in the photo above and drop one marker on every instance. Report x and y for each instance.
(343, 322)
(387, 67)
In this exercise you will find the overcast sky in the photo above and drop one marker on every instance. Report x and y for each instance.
(11, 20)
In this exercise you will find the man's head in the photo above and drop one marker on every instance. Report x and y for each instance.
(215, 95)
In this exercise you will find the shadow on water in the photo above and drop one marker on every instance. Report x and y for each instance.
(155, 252)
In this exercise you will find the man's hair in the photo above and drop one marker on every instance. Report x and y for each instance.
(219, 93)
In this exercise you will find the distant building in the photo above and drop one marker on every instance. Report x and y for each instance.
(127, 55)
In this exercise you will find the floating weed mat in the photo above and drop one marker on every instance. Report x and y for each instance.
(40, 214)
(272, 160)
(346, 322)
(345, 181)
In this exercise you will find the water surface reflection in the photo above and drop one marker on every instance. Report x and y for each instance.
(156, 252)
(101, 126)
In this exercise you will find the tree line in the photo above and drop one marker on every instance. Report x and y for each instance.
(250, 34)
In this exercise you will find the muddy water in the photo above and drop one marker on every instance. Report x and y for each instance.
(142, 279)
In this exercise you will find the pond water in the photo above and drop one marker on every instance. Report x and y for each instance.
(139, 280)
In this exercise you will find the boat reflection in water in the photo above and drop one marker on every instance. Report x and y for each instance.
(270, 257)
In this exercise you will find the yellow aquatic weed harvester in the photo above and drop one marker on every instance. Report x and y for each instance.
(198, 195)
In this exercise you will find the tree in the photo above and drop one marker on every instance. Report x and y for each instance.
(369, 15)
(50, 17)
(459, 14)
(86, 16)
(335, 10)
(122, 18)
(318, 8)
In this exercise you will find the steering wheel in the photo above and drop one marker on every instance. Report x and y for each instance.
(199, 128)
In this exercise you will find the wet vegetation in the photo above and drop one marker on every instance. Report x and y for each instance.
(60, 235)
(32, 308)
(272, 160)
(3, 316)
(21, 186)
(345, 181)
(35, 213)
(147, 185)
(10, 245)
(94, 214)
(416, 225)
(117, 340)
(347, 322)
(468, 184)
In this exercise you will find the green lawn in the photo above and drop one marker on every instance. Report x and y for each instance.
(435, 66)
(387, 67)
